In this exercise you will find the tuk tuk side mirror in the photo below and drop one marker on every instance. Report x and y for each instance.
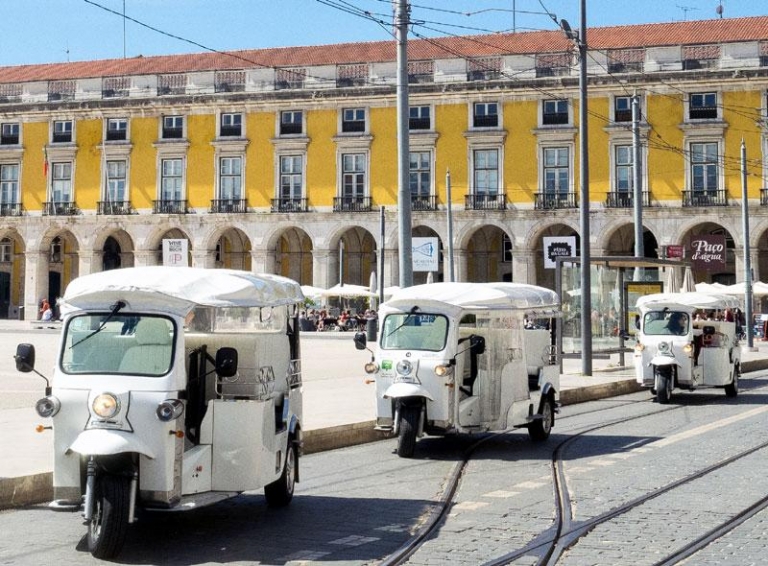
(226, 362)
(361, 341)
(476, 344)
(25, 358)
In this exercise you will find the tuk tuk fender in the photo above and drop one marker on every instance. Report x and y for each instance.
(400, 390)
(108, 442)
(661, 361)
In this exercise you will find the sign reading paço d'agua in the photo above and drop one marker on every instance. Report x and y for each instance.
(707, 252)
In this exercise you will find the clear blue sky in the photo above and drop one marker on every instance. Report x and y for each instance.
(52, 31)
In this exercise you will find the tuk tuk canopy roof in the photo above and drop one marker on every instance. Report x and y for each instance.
(179, 289)
(479, 296)
(706, 301)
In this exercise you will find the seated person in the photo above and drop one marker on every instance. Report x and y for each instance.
(677, 324)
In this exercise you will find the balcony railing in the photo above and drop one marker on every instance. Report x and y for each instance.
(626, 199)
(60, 209)
(289, 204)
(352, 204)
(170, 206)
(497, 201)
(423, 202)
(11, 209)
(705, 198)
(551, 200)
(114, 207)
(229, 205)
(764, 197)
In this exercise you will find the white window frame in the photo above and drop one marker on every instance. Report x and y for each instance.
(429, 191)
(569, 106)
(5, 126)
(418, 110)
(361, 157)
(221, 175)
(543, 148)
(173, 118)
(111, 179)
(227, 119)
(486, 106)
(292, 174)
(56, 169)
(718, 163)
(65, 126)
(342, 120)
(6, 250)
(292, 114)
(161, 177)
(474, 170)
(688, 105)
(119, 121)
(10, 188)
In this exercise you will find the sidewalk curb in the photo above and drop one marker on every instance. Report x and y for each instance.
(38, 488)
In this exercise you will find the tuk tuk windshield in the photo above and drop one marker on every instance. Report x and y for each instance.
(666, 323)
(414, 331)
(118, 344)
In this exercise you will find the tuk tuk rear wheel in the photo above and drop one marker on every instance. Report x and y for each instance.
(664, 386)
(732, 389)
(279, 493)
(409, 426)
(540, 429)
(109, 523)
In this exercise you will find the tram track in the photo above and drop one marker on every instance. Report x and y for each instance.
(549, 545)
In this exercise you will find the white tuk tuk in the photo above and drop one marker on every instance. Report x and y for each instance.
(464, 358)
(687, 340)
(173, 388)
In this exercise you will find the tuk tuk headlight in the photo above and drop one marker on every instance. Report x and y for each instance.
(371, 367)
(688, 348)
(664, 347)
(404, 367)
(442, 370)
(639, 347)
(48, 406)
(106, 405)
(169, 410)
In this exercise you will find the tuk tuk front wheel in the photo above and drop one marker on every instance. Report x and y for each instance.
(664, 382)
(540, 429)
(279, 493)
(109, 523)
(409, 427)
(732, 389)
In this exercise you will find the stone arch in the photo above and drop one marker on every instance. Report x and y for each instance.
(12, 266)
(294, 255)
(725, 275)
(420, 277)
(232, 250)
(488, 254)
(155, 243)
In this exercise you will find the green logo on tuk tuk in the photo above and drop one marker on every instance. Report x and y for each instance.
(386, 364)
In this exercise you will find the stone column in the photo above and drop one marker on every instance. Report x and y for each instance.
(143, 258)
(524, 266)
(203, 258)
(88, 262)
(391, 268)
(262, 261)
(325, 264)
(461, 258)
(35, 282)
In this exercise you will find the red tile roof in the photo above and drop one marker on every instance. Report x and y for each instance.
(616, 37)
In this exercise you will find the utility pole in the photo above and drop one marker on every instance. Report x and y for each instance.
(404, 240)
(586, 264)
(449, 212)
(637, 182)
(747, 260)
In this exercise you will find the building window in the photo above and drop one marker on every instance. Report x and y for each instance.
(554, 112)
(703, 106)
(623, 169)
(230, 178)
(171, 178)
(622, 109)
(420, 171)
(291, 176)
(557, 174)
(173, 127)
(61, 184)
(62, 131)
(353, 120)
(704, 168)
(9, 184)
(231, 125)
(117, 129)
(486, 171)
(6, 250)
(419, 118)
(116, 176)
(485, 115)
(291, 122)
(353, 175)
(9, 134)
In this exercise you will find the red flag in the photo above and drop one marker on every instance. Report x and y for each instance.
(45, 161)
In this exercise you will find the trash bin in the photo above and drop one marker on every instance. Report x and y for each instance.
(371, 329)
(21, 312)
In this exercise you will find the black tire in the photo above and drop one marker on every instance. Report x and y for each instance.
(109, 524)
(664, 389)
(279, 493)
(409, 427)
(732, 389)
(540, 429)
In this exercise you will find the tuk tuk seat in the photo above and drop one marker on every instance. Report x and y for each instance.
(152, 352)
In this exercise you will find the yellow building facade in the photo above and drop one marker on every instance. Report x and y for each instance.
(289, 166)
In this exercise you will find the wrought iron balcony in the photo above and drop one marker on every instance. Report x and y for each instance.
(229, 205)
(352, 204)
(700, 197)
(423, 202)
(764, 197)
(60, 209)
(288, 204)
(553, 200)
(114, 207)
(170, 206)
(11, 209)
(626, 199)
(497, 201)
